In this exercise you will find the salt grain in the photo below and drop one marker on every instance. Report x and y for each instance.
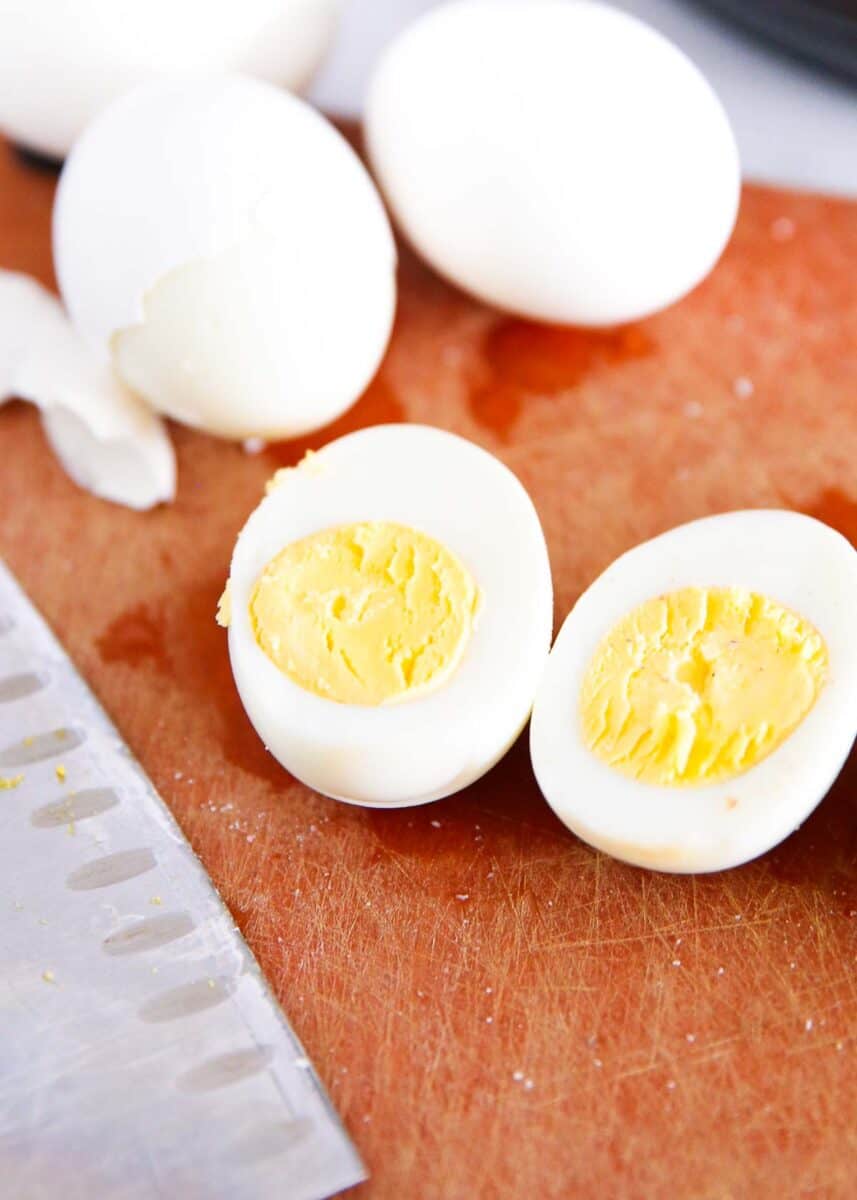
(693, 409)
(743, 387)
(808, 1024)
(783, 229)
(254, 445)
(435, 824)
(517, 1076)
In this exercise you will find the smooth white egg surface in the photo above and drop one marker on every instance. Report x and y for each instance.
(224, 245)
(62, 61)
(556, 158)
(701, 696)
(106, 439)
(389, 608)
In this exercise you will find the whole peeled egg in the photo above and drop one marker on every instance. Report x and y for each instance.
(222, 243)
(556, 158)
(61, 61)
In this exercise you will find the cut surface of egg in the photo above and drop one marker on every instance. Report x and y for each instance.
(106, 439)
(61, 63)
(389, 608)
(557, 158)
(701, 696)
(222, 244)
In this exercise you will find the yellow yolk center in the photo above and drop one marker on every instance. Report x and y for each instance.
(700, 685)
(365, 614)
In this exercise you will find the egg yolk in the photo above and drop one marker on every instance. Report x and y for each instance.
(700, 685)
(368, 614)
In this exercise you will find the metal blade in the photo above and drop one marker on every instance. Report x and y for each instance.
(141, 1051)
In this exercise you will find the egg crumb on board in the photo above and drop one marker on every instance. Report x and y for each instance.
(492, 125)
(257, 298)
(701, 696)
(9, 782)
(389, 609)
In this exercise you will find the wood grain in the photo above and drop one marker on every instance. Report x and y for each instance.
(496, 1009)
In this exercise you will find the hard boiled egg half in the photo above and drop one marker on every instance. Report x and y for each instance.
(701, 696)
(221, 244)
(389, 607)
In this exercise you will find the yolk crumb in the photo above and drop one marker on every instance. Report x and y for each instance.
(367, 614)
(700, 685)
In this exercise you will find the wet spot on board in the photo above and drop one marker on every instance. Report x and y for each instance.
(134, 637)
(182, 638)
(521, 360)
(837, 509)
(379, 405)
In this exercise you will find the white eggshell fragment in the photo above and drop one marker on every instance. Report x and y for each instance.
(106, 439)
(226, 246)
(803, 565)
(395, 755)
(61, 63)
(557, 158)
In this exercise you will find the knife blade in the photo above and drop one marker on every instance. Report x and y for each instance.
(142, 1053)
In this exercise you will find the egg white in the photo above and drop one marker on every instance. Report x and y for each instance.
(421, 749)
(791, 558)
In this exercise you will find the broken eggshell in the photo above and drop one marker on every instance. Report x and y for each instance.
(245, 267)
(106, 439)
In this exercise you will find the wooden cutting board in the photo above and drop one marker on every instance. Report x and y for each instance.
(497, 1010)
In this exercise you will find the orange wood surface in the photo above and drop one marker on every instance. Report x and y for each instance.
(496, 1009)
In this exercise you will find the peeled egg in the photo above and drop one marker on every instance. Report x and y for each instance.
(105, 438)
(389, 609)
(701, 696)
(557, 158)
(223, 245)
(61, 63)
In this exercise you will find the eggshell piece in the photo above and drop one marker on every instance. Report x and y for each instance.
(556, 158)
(106, 439)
